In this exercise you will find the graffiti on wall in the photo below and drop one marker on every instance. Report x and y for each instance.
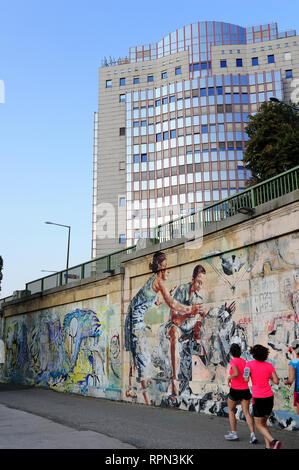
(247, 297)
(76, 351)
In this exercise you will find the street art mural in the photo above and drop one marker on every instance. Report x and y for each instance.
(179, 326)
(69, 348)
(165, 340)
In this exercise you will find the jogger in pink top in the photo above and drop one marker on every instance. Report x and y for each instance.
(239, 392)
(262, 396)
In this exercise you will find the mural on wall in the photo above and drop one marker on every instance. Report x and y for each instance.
(178, 329)
(179, 356)
(73, 349)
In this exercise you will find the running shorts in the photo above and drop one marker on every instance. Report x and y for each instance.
(262, 406)
(239, 395)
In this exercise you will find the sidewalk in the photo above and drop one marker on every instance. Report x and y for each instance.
(22, 430)
(35, 418)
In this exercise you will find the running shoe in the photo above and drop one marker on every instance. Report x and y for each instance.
(231, 436)
(275, 444)
(253, 440)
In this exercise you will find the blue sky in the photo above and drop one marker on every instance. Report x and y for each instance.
(50, 53)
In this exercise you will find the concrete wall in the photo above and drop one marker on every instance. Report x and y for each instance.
(73, 339)
(67, 340)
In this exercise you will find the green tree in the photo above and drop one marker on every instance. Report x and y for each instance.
(273, 145)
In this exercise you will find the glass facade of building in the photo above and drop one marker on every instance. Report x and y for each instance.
(197, 39)
(184, 126)
(177, 163)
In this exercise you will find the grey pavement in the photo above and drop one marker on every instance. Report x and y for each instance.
(36, 418)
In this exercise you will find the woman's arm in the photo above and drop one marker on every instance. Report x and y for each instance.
(234, 374)
(174, 305)
(274, 378)
(291, 376)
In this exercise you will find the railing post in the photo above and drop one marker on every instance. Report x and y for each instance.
(252, 194)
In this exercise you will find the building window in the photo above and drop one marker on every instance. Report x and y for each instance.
(108, 83)
(211, 91)
(219, 90)
(271, 59)
(122, 98)
(178, 70)
(289, 73)
(164, 75)
(223, 64)
(254, 61)
(164, 100)
(136, 158)
(158, 103)
(135, 123)
(122, 238)
(150, 78)
(172, 99)
(239, 63)
(203, 92)
(144, 157)
(122, 131)
(135, 80)
(122, 201)
(172, 133)
(122, 81)
(165, 135)
(143, 123)
(158, 137)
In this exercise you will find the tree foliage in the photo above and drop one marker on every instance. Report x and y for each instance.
(273, 145)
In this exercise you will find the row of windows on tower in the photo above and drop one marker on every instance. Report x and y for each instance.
(254, 61)
(136, 80)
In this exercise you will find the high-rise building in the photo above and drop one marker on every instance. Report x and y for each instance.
(170, 127)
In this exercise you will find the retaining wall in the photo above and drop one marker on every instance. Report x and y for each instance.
(73, 339)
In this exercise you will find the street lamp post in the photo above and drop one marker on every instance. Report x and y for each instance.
(68, 244)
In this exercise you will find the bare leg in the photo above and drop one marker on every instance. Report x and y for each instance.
(231, 414)
(174, 337)
(130, 393)
(145, 395)
(245, 408)
(261, 425)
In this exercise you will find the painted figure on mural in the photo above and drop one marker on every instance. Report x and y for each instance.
(182, 326)
(220, 333)
(135, 327)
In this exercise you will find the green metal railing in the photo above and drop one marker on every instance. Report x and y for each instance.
(86, 270)
(250, 198)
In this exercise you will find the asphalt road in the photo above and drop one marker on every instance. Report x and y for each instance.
(36, 418)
